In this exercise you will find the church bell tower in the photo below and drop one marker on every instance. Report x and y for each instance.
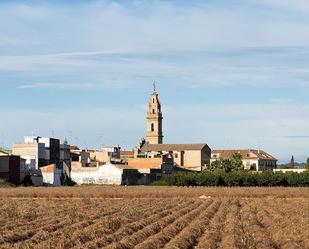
(154, 119)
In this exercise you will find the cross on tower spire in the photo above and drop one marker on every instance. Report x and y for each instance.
(154, 85)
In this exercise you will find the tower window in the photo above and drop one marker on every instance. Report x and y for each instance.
(152, 127)
(152, 100)
(153, 111)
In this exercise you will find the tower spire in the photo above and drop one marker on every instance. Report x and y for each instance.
(154, 85)
(154, 119)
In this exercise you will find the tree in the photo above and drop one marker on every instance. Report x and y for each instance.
(307, 165)
(228, 165)
(236, 162)
(292, 163)
(65, 141)
(218, 164)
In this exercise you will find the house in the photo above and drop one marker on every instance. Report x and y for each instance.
(12, 168)
(152, 169)
(193, 157)
(107, 154)
(125, 154)
(65, 154)
(136, 171)
(79, 158)
(252, 159)
(41, 151)
(52, 149)
(32, 151)
(107, 174)
(51, 175)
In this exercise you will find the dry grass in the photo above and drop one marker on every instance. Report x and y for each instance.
(149, 192)
(154, 217)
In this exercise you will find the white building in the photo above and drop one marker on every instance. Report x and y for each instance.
(252, 159)
(32, 151)
(109, 174)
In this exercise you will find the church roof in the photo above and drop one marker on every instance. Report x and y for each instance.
(172, 147)
(245, 154)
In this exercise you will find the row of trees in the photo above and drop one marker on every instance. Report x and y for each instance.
(231, 172)
(236, 178)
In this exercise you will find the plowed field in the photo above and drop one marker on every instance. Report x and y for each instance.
(246, 220)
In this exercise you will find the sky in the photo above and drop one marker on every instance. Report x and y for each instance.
(229, 73)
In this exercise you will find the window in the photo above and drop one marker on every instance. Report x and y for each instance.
(152, 127)
(153, 111)
(153, 100)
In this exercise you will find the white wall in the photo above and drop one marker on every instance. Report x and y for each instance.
(289, 170)
(104, 174)
(52, 178)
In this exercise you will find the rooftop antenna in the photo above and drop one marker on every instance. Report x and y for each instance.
(154, 85)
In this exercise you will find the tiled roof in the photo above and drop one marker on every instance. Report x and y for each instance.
(145, 163)
(172, 147)
(245, 154)
(126, 152)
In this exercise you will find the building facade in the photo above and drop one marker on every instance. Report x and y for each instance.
(252, 159)
(11, 168)
(193, 157)
(32, 151)
(154, 120)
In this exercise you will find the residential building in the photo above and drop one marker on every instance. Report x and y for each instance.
(65, 154)
(107, 154)
(79, 158)
(32, 151)
(107, 174)
(51, 175)
(12, 168)
(52, 149)
(193, 157)
(40, 151)
(126, 154)
(252, 159)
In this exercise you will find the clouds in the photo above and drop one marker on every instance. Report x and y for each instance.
(278, 128)
(231, 66)
(111, 26)
(265, 67)
(197, 44)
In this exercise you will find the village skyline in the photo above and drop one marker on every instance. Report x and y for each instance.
(84, 72)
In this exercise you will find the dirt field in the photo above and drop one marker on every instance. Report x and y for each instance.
(154, 217)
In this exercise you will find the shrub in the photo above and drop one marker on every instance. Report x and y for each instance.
(235, 178)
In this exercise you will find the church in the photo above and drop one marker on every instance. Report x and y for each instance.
(193, 157)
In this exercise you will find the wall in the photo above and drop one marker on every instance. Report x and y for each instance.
(289, 170)
(100, 156)
(4, 164)
(34, 153)
(250, 162)
(10, 168)
(51, 175)
(145, 163)
(104, 174)
(193, 159)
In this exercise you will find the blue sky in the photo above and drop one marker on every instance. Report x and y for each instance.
(234, 74)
